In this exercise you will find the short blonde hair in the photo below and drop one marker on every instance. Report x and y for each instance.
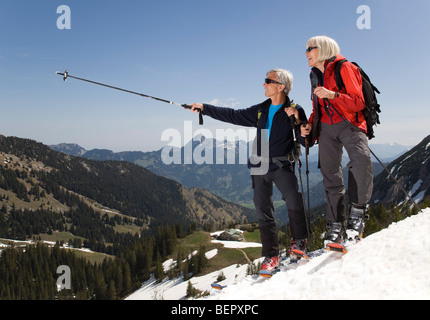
(328, 48)
(285, 77)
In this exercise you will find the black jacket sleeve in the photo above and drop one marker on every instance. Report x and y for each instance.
(244, 117)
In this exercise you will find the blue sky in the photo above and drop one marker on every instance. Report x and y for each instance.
(194, 51)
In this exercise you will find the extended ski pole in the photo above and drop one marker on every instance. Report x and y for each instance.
(66, 75)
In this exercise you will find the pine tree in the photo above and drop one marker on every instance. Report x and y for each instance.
(191, 291)
(221, 276)
(179, 258)
(100, 290)
(119, 279)
(202, 261)
(159, 272)
(126, 278)
(185, 271)
(112, 293)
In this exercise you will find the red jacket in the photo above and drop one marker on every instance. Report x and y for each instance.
(350, 102)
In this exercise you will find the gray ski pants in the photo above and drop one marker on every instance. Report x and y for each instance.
(360, 168)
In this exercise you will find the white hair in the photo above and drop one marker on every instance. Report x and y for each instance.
(328, 48)
(285, 77)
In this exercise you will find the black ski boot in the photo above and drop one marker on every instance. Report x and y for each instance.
(355, 225)
(334, 233)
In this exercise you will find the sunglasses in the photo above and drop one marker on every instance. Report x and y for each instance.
(311, 48)
(268, 81)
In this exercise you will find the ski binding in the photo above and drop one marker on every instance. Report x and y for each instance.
(336, 247)
(300, 254)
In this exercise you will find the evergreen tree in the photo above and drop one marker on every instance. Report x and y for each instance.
(191, 291)
(111, 295)
(119, 279)
(158, 272)
(126, 278)
(100, 290)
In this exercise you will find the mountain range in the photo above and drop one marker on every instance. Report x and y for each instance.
(409, 173)
(229, 181)
(117, 186)
(30, 169)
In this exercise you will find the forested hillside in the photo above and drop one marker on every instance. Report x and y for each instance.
(122, 210)
(119, 185)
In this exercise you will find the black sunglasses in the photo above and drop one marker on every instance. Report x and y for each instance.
(311, 48)
(268, 81)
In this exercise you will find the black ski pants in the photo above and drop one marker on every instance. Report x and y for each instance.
(286, 182)
(360, 168)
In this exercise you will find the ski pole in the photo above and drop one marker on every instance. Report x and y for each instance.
(297, 153)
(307, 173)
(66, 75)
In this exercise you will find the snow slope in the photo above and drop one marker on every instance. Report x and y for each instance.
(175, 289)
(391, 264)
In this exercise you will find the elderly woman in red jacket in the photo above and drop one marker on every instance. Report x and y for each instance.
(328, 124)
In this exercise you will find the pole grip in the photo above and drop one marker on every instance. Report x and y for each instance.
(200, 117)
(65, 74)
(186, 106)
(293, 120)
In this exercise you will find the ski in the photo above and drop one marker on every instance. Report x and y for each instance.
(268, 274)
(343, 246)
(352, 238)
(296, 258)
(288, 263)
(217, 286)
(336, 247)
(263, 274)
(300, 254)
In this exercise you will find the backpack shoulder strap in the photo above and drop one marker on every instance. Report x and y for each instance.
(262, 107)
(338, 77)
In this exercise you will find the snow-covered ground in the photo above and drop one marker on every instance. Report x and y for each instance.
(391, 264)
(175, 289)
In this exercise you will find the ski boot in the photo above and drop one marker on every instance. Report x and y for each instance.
(298, 248)
(334, 238)
(355, 225)
(269, 266)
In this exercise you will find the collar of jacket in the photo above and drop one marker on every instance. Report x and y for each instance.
(319, 75)
(266, 104)
(263, 111)
(330, 63)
